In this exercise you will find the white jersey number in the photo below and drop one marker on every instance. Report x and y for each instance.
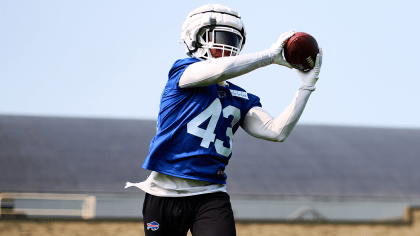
(208, 136)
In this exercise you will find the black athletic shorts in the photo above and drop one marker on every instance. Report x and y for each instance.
(206, 215)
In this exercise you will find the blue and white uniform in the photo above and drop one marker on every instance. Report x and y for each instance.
(196, 126)
(199, 113)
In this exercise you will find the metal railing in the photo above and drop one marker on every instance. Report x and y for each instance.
(87, 212)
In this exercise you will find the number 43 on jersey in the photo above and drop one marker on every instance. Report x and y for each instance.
(208, 136)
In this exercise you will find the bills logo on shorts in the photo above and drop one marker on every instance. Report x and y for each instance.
(153, 226)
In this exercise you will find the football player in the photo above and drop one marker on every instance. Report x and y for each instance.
(199, 113)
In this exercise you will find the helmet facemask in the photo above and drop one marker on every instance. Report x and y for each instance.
(218, 41)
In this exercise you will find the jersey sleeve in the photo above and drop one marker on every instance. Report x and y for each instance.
(253, 101)
(176, 71)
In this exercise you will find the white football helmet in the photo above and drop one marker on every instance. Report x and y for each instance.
(210, 27)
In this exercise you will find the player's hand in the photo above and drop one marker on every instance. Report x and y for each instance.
(311, 77)
(277, 49)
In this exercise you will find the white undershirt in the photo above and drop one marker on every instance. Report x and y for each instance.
(159, 184)
(257, 122)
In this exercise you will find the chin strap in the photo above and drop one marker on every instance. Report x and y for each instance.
(194, 44)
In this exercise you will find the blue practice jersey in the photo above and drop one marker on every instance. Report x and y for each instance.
(195, 128)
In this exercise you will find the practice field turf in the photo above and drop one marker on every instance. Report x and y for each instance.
(409, 227)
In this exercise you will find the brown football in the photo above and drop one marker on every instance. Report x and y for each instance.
(301, 50)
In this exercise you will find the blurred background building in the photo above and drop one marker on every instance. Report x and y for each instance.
(319, 172)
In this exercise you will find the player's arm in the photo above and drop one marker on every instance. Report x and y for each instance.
(260, 124)
(209, 72)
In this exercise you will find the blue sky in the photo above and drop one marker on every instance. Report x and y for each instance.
(110, 59)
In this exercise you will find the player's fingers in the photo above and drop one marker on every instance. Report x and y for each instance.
(286, 64)
(318, 61)
(290, 32)
(318, 64)
(320, 57)
(286, 36)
